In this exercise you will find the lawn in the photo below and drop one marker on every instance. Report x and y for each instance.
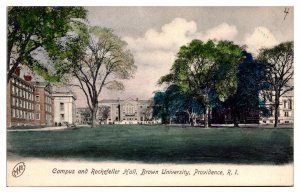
(157, 144)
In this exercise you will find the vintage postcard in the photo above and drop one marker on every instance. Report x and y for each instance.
(150, 96)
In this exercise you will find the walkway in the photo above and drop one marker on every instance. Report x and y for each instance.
(40, 129)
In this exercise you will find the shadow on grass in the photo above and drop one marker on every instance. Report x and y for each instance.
(158, 144)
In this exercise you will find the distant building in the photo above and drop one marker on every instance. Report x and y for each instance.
(286, 110)
(111, 111)
(128, 111)
(64, 107)
(83, 116)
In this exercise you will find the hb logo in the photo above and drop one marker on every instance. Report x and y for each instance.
(18, 169)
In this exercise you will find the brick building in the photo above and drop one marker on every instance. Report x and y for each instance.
(28, 103)
(43, 103)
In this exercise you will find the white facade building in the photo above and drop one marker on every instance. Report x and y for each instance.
(286, 110)
(64, 108)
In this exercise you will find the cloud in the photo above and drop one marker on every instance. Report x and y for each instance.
(223, 31)
(178, 32)
(260, 38)
(156, 50)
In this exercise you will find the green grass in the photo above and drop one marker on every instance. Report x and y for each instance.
(158, 144)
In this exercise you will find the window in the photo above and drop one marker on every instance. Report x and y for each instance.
(37, 98)
(38, 107)
(37, 116)
(290, 104)
(284, 104)
(13, 112)
(286, 114)
(61, 107)
(271, 111)
(62, 117)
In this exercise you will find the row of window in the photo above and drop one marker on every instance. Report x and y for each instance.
(16, 113)
(48, 117)
(48, 108)
(272, 121)
(48, 99)
(21, 93)
(286, 113)
(22, 85)
(22, 103)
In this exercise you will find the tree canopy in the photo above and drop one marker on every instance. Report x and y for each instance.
(206, 71)
(99, 59)
(279, 62)
(39, 30)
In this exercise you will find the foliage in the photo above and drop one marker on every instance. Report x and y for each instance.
(39, 30)
(171, 102)
(250, 82)
(279, 62)
(202, 70)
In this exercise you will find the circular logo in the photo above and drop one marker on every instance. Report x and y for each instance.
(18, 169)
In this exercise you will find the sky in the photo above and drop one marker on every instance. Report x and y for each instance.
(155, 34)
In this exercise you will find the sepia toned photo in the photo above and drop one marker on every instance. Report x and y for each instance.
(150, 96)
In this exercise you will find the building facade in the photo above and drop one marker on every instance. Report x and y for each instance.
(43, 103)
(64, 108)
(28, 103)
(129, 111)
(286, 109)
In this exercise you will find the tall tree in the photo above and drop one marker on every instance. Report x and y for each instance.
(206, 69)
(251, 81)
(279, 62)
(38, 30)
(99, 59)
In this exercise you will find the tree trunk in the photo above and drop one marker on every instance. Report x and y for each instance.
(209, 117)
(235, 117)
(205, 117)
(94, 115)
(93, 119)
(276, 110)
